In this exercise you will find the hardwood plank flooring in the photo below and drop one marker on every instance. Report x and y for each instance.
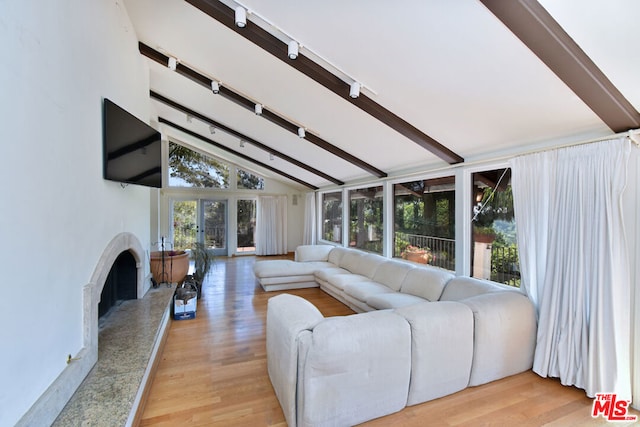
(213, 371)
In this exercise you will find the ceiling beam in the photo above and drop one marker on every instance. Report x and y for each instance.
(262, 38)
(249, 104)
(234, 152)
(537, 29)
(241, 136)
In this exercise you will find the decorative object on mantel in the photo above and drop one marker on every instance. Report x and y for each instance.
(417, 254)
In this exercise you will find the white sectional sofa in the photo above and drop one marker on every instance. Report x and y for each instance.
(363, 281)
(420, 333)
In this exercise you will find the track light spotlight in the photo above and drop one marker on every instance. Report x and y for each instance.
(354, 92)
(293, 49)
(241, 17)
(173, 63)
(215, 87)
(241, 144)
(189, 118)
(212, 129)
(258, 109)
(271, 156)
(301, 132)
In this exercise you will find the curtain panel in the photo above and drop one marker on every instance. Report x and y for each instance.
(271, 225)
(574, 262)
(309, 235)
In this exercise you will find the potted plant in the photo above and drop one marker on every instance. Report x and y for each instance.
(202, 259)
(483, 234)
(169, 266)
(417, 254)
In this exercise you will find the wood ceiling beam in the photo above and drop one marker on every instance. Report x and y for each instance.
(248, 104)
(537, 29)
(243, 137)
(226, 16)
(235, 153)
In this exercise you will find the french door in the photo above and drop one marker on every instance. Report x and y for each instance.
(202, 221)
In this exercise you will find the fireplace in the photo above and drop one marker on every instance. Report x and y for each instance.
(122, 262)
(120, 284)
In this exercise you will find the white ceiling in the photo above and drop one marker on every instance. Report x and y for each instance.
(449, 68)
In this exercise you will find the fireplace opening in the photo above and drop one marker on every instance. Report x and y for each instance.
(121, 283)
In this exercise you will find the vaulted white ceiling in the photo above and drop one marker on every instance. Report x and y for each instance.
(451, 69)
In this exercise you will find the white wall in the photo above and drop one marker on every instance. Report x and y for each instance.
(57, 61)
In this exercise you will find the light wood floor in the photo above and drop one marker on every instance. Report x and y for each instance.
(213, 371)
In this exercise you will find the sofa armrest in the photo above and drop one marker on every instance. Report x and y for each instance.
(504, 335)
(288, 318)
(306, 253)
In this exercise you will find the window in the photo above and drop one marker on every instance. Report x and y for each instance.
(248, 181)
(424, 221)
(365, 218)
(188, 168)
(494, 248)
(246, 225)
(332, 216)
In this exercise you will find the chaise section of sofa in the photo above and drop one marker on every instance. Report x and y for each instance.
(281, 274)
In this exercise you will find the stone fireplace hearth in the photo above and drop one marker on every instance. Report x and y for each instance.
(108, 381)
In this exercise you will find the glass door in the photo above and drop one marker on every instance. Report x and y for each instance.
(202, 221)
(213, 215)
(184, 214)
(246, 225)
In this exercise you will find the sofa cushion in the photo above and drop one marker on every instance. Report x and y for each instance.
(391, 273)
(324, 274)
(306, 253)
(336, 254)
(368, 265)
(357, 368)
(426, 282)
(350, 260)
(463, 287)
(341, 280)
(362, 290)
(441, 349)
(504, 335)
(392, 300)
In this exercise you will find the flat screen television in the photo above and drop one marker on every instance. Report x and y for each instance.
(132, 148)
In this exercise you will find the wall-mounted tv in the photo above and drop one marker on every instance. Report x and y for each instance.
(132, 148)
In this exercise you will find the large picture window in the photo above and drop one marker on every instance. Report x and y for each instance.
(248, 181)
(365, 219)
(188, 168)
(332, 216)
(494, 253)
(424, 221)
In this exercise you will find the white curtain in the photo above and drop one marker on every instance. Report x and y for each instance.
(632, 217)
(271, 225)
(309, 235)
(574, 264)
